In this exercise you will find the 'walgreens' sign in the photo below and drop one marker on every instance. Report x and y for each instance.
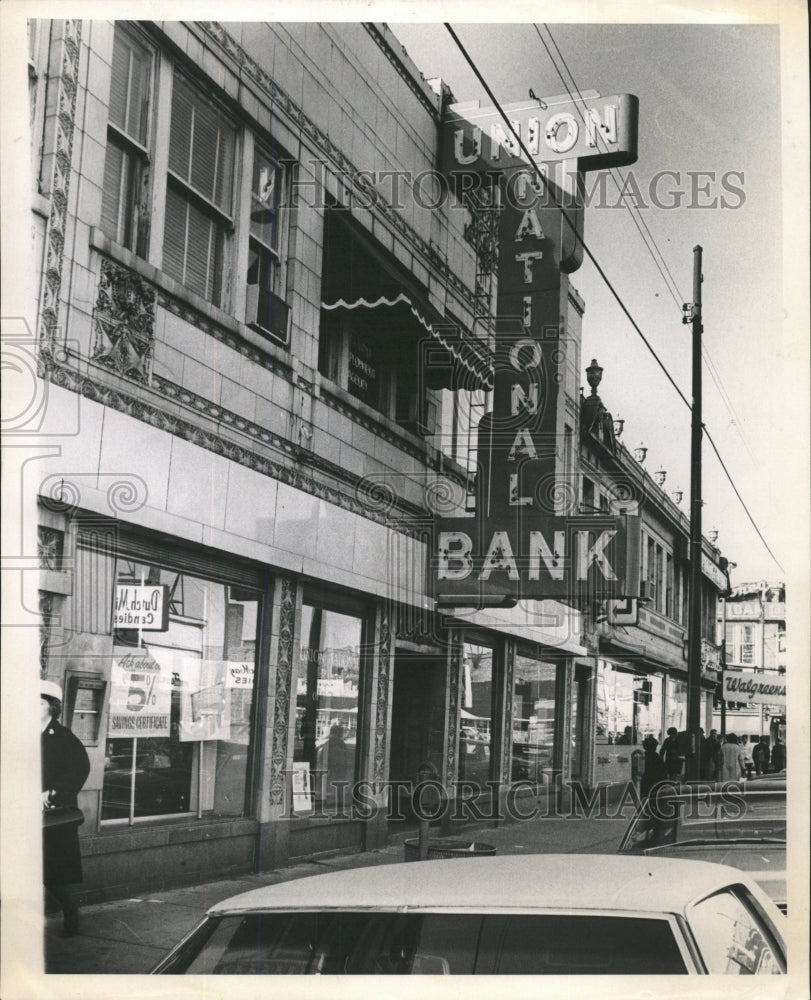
(757, 689)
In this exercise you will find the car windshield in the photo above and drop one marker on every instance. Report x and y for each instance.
(381, 943)
(716, 817)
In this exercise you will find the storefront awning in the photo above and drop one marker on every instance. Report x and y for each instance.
(360, 277)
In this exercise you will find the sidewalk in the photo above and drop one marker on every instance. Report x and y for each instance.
(130, 935)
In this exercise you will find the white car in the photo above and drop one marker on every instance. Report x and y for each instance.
(564, 914)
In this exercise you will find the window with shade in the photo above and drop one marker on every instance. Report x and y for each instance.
(199, 192)
(124, 204)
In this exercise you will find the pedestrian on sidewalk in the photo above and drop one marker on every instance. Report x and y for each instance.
(749, 763)
(670, 753)
(655, 770)
(778, 756)
(732, 762)
(761, 755)
(65, 767)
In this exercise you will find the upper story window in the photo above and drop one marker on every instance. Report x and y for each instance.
(124, 213)
(199, 193)
(747, 644)
(264, 306)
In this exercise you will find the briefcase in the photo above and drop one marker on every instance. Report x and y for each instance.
(62, 816)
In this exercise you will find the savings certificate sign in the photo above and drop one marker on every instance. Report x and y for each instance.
(140, 694)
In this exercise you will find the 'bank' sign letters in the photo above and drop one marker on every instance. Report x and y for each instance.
(538, 557)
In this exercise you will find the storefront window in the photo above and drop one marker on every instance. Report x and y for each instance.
(533, 718)
(181, 689)
(327, 698)
(615, 705)
(676, 704)
(476, 723)
(648, 706)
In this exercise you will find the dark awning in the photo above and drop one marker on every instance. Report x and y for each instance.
(360, 275)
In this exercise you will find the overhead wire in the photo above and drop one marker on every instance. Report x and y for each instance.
(639, 222)
(618, 298)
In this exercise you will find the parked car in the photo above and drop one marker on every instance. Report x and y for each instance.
(742, 824)
(539, 915)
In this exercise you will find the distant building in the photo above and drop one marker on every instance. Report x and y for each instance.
(639, 687)
(753, 624)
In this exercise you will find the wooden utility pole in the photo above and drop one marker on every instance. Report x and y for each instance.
(694, 618)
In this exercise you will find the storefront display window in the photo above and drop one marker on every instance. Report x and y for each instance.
(648, 707)
(327, 699)
(181, 690)
(615, 705)
(476, 723)
(533, 719)
(676, 704)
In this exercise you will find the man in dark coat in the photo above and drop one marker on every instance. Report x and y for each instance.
(65, 768)
(655, 769)
(761, 754)
(778, 756)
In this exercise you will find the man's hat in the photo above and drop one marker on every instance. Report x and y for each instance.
(49, 689)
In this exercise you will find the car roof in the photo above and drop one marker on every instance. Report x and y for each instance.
(544, 881)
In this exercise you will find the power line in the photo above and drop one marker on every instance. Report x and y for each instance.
(600, 271)
(639, 221)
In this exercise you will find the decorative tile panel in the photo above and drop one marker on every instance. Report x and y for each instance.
(66, 85)
(283, 688)
(46, 610)
(384, 649)
(124, 322)
(50, 546)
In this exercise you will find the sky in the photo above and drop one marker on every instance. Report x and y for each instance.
(709, 102)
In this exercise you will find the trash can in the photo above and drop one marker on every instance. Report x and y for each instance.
(448, 849)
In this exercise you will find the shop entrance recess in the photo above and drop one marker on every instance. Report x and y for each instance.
(417, 724)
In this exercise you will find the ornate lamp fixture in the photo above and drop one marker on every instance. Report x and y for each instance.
(619, 423)
(660, 476)
(640, 453)
(678, 496)
(712, 535)
(594, 375)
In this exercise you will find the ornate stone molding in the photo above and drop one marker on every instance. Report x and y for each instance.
(67, 86)
(361, 498)
(284, 684)
(382, 707)
(124, 322)
(392, 56)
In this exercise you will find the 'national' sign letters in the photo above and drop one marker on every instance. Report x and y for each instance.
(520, 544)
